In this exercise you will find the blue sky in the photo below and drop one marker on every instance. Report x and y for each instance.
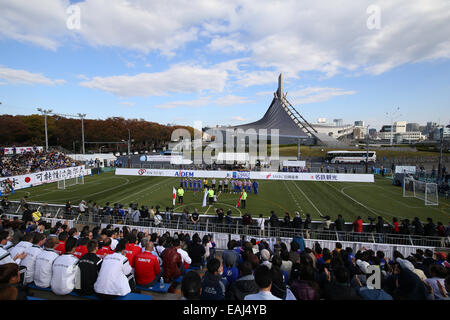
(218, 61)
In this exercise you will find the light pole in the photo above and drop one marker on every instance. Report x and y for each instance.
(82, 115)
(393, 115)
(45, 113)
(440, 154)
(367, 150)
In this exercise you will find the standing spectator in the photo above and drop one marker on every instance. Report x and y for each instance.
(340, 226)
(396, 227)
(358, 227)
(418, 227)
(307, 225)
(287, 220)
(260, 223)
(195, 219)
(89, 265)
(27, 214)
(430, 228)
(297, 221)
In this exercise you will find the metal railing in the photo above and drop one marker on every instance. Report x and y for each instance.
(211, 224)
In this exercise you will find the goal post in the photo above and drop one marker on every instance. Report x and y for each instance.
(428, 192)
(65, 183)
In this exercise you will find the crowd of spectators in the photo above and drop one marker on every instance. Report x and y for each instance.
(113, 262)
(34, 161)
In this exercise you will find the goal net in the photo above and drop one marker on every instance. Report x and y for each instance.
(428, 192)
(65, 183)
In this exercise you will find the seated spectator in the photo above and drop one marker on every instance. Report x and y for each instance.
(368, 293)
(278, 279)
(286, 264)
(172, 264)
(191, 286)
(230, 272)
(230, 251)
(105, 249)
(23, 245)
(31, 254)
(339, 287)
(115, 273)
(303, 284)
(265, 258)
(89, 265)
(407, 285)
(244, 285)
(437, 281)
(44, 262)
(10, 287)
(213, 286)
(132, 249)
(185, 259)
(263, 278)
(147, 270)
(294, 256)
(65, 270)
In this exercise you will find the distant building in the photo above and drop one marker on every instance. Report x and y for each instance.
(399, 133)
(412, 127)
(359, 131)
(359, 123)
(373, 133)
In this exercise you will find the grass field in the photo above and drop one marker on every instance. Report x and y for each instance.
(317, 198)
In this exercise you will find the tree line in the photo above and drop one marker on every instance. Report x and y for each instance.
(29, 130)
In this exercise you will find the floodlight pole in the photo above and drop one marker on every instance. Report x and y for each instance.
(82, 130)
(45, 113)
(367, 150)
(439, 175)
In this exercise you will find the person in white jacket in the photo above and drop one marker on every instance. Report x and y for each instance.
(5, 255)
(115, 273)
(31, 254)
(65, 270)
(44, 264)
(23, 245)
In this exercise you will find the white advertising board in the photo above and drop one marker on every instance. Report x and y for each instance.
(253, 175)
(290, 163)
(405, 169)
(20, 150)
(35, 179)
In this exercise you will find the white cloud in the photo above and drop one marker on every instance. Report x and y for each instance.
(228, 100)
(253, 78)
(15, 76)
(317, 94)
(128, 103)
(290, 36)
(238, 118)
(231, 100)
(177, 79)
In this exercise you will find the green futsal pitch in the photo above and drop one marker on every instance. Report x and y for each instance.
(319, 198)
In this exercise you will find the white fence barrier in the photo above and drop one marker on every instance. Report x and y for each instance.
(254, 175)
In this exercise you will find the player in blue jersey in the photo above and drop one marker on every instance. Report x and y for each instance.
(190, 184)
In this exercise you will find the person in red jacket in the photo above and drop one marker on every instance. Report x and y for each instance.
(172, 262)
(61, 247)
(395, 222)
(132, 249)
(106, 249)
(146, 267)
(81, 250)
(358, 227)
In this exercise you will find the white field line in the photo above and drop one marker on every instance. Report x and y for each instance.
(144, 190)
(320, 213)
(375, 212)
(293, 196)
